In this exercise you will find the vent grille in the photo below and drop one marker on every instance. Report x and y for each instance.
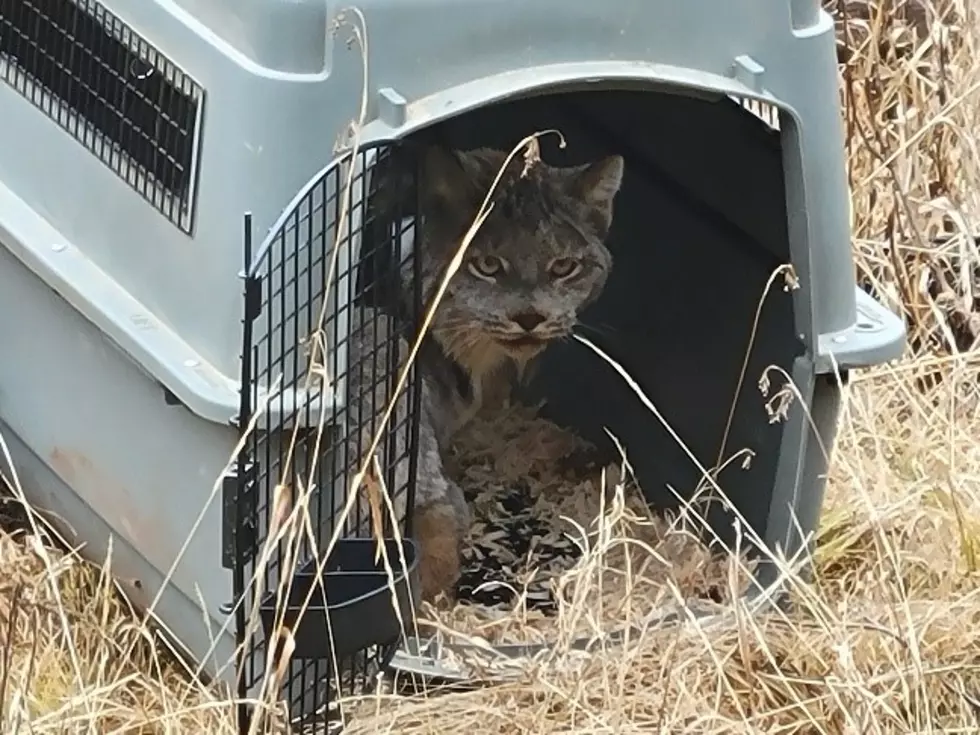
(765, 111)
(112, 91)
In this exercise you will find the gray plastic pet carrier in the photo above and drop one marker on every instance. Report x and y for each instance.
(148, 326)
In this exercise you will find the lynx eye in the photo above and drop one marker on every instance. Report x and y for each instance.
(564, 268)
(485, 266)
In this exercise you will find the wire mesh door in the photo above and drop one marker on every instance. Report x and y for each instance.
(324, 342)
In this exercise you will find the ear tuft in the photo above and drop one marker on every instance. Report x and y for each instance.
(600, 181)
(597, 184)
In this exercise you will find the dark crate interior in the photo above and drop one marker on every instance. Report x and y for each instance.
(699, 228)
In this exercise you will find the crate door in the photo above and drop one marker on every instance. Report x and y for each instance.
(324, 341)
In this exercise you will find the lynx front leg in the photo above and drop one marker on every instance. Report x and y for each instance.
(442, 515)
(369, 383)
(440, 540)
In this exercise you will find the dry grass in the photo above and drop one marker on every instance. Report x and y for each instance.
(76, 658)
(882, 640)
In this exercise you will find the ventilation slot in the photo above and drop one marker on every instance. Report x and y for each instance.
(768, 113)
(110, 90)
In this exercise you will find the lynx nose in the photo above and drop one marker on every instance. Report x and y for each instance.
(528, 320)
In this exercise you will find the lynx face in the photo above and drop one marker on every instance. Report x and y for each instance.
(537, 260)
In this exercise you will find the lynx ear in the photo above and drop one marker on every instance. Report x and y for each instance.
(596, 185)
(444, 182)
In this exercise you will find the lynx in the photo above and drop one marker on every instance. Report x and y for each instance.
(536, 261)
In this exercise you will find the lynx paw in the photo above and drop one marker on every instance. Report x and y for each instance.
(439, 531)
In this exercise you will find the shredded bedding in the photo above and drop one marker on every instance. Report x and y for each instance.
(553, 556)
